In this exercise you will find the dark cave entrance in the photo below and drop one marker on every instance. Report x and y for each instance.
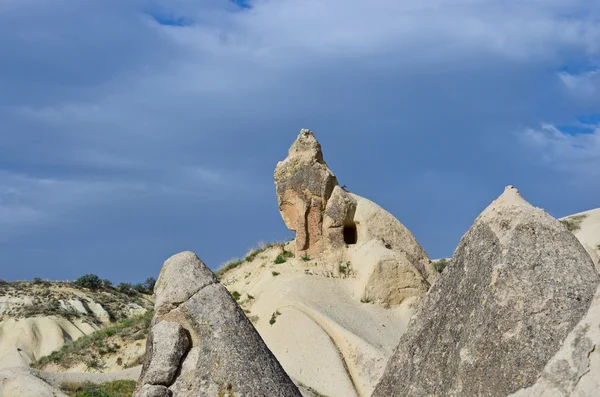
(350, 234)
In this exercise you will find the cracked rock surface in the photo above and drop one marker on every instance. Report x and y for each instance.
(518, 284)
(202, 344)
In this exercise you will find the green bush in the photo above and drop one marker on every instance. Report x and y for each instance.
(106, 283)
(236, 295)
(275, 273)
(37, 280)
(149, 284)
(279, 260)
(440, 265)
(90, 281)
(305, 257)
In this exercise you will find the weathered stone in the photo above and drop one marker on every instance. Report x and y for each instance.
(154, 391)
(575, 369)
(181, 277)
(169, 343)
(304, 183)
(517, 285)
(226, 356)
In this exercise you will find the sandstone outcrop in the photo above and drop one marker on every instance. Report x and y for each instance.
(201, 343)
(518, 284)
(339, 226)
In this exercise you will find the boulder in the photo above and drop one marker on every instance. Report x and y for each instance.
(517, 285)
(22, 382)
(202, 344)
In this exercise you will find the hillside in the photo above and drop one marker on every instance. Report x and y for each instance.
(327, 337)
(39, 317)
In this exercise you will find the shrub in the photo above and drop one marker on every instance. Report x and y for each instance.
(279, 260)
(37, 280)
(287, 254)
(274, 317)
(250, 296)
(366, 299)
(275, 273)
(236, 295)
(90, 281)
(305, 257)
(106, 283)
(440, 265)
(149, 284)
(126, 288)
(344, 268)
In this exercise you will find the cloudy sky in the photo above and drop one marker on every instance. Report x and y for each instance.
(134, 129)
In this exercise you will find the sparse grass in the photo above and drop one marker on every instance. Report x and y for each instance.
(305, 257)
(262, 247)
(279, 260)
(366, 299)
(236, 295)
(227, 267)
(287, 254)
(598, 247)
(85, 348)
(440, 265)
(250, 296)
(275, 273)
(573, 223)
(119, 388)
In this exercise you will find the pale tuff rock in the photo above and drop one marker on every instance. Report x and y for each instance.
(201, 343)
(339, 226)
(575, 369)
(20, 382)
(517, 285)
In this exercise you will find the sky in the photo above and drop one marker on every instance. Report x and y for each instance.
(135, 129)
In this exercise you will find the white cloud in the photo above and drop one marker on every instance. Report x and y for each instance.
(576, 153)
(585, 84)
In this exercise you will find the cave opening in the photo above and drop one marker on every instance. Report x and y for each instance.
(350, 233)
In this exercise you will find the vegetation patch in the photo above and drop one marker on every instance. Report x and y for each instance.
(274, 317)
(441, 264)
(119, 388)
(275, 273)
(573, 223)
(279, 260)
(305, 257)
(91, 348)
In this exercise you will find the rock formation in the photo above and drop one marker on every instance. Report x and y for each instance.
(331, 222)
(518, 283)
(21, 382)
(202, 344)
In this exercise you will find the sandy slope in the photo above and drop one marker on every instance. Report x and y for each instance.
(321, 332)
(589, 232)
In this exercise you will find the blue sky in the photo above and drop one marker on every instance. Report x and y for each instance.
(132, 130)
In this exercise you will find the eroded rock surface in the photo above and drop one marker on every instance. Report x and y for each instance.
(336, 225)
(202, 344)
(518, 284)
